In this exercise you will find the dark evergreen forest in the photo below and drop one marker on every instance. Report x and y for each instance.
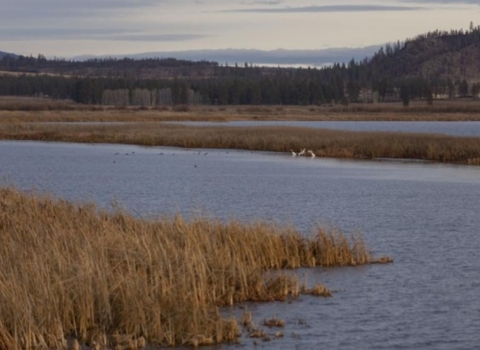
(397, 71)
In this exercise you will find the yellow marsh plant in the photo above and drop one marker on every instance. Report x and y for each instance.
(323, 143)
(72, 271)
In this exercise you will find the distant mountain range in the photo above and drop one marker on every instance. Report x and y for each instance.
(3, 54)
(436, 64)
(434, 56)
(280, 57)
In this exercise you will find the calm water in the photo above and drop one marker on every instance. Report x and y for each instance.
(447, 128)
(425, 216)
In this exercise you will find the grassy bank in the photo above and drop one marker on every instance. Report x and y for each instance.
(72, 273)
(324, 143)
(45, 110)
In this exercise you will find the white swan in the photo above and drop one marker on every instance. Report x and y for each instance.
(293, 153)
(311, 153)
(302, 152)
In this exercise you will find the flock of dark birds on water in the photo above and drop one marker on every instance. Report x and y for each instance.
(302, 153)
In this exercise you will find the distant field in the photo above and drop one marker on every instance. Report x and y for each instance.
(21, 119)
(24, 110)
(16, 74)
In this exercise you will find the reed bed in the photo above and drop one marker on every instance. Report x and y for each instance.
(110, 115)
(72, 275)
(16, 110)
(324, 143)
(14, 103)
(469, 106)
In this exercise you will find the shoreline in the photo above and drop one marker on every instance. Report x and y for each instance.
(322, 142)
(26, 110)
(106, 279)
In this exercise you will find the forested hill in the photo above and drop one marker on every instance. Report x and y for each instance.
(431, 66)
(451, 55)
(3, 54)
(109, 67)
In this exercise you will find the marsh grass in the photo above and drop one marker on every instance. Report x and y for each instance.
(274, 322)
(320, 290)
(26, 110)
(324, 143)
(468, 106)
(72, 273)
(33, 104)
(109, 115)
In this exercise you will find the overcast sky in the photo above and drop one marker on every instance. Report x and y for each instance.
(67, 28)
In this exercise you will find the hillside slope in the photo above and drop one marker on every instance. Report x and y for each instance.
(436, 65)
(3, 54)
(433, 56)
(453, 55)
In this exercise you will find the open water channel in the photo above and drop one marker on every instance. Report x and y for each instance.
(471, 128)
(425, 216)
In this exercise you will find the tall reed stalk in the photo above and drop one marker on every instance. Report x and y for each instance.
(73, 274)
(324, 143)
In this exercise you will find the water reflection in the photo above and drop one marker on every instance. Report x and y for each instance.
(446, 128)
(424, 215)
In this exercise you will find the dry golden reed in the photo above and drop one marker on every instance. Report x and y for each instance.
(320, 290)
(73, 274)
(274, 322)
(26, 110)
(324, 143)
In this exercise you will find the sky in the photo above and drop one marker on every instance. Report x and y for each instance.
(68, 28)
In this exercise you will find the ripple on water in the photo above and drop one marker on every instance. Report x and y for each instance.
(423, 215)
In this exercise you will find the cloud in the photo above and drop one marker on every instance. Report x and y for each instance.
(74, 5)
(112, 20)
(264, 2)
(464, 2)
(110, 34)
(156, 37)
(331, 8)
(34, 9)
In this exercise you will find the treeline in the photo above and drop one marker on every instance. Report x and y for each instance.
(392, 74)
(288, 90)
(261, 90)
(296, 89)
(39, 63)
(404, 59)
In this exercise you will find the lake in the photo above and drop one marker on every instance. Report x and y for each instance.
(425, 216)
(446, 128)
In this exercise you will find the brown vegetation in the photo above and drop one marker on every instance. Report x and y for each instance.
(21, 109)
(418, 109)
(324, 143)
(78, 275)
(274, 322)
(13, 103)
(320, 290)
